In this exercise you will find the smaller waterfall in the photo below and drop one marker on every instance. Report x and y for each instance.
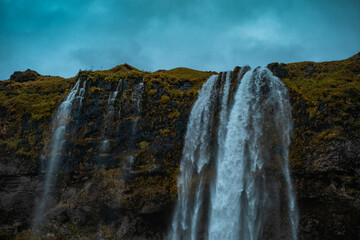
(81, 94)
(136, 97)
(195, 156)
(105, 144)
(59, 125)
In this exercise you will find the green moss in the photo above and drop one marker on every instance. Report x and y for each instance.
(96, 90)
(144, 145)
(152, 92)
(326, 103)
(30, 106)
(23, 152)
(164, 99)
(321, 81)
(11, 144)
(165, 132)
(179, 75)
(174, 114)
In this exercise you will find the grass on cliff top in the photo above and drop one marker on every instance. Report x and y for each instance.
(163, 77)
(331, 91)
(180, 75)
(321, 81)
(36, 98)
(29, 106)
(186, 74)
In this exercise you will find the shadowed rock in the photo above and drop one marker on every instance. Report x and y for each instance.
(28, 75)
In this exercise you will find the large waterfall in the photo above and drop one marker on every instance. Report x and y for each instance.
(237, 186)
(59, 126)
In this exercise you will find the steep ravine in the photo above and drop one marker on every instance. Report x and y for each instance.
(129, 191)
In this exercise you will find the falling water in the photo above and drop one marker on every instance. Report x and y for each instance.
(136, 97)
(105, 144)
(195, 156)
(222, 130)
(59, 125)
(80, 95)
(252, 171)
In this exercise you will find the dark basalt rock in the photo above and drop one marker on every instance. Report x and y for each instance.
(186, 85)
(28, 75)
(324, 151)
(100, 196)
(278, 69)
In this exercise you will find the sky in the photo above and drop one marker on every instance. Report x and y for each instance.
(60, 37)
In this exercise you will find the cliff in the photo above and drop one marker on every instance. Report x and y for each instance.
(117, 177)
(325, 148)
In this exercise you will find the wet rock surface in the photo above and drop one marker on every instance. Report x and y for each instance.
(325, 149)
(129, 192)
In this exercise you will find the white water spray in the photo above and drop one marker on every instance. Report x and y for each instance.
(195, 156)
(105, 143)
(59, 125)
(253, 137)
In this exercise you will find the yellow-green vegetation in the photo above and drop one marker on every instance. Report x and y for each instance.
(144, 145)
(152, 92)
(174, 114)
(29, 107)
(321, 81)
(193, 76)
(148, 127)
(164, 99)
(326, 102)
(32, 104)
(96, 90)
(37, 98)
(164, 132)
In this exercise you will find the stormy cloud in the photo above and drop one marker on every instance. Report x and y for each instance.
(60, 37)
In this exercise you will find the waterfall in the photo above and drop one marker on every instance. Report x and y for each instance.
(80, 95)
(59, 125)
(195, 156)
(252, 178)
(136, 97)
(105, 144)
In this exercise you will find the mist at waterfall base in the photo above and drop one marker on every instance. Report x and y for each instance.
(237, 186)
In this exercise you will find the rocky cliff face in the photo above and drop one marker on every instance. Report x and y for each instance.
(325, 149)
(118, 170)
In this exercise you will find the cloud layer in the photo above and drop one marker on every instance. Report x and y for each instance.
(60, 37)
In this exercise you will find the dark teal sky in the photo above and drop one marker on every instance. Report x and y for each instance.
(60, 37)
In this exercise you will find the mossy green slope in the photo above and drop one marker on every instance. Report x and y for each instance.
(326, 96)
(325, 147)
(26, 110)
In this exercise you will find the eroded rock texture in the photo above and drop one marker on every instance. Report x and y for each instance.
(125, 188)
